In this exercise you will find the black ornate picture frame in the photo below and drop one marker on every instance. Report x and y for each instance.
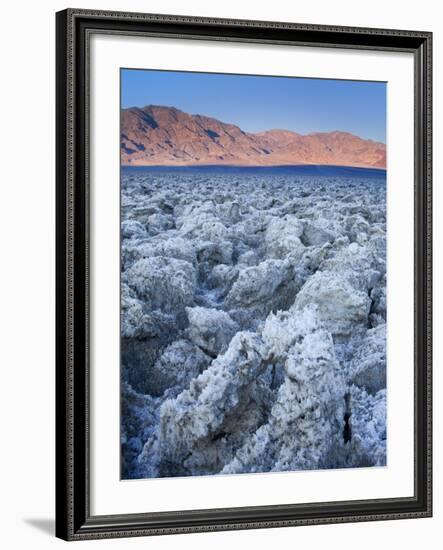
(73, 516)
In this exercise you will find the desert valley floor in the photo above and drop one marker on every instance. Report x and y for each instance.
(253, 335)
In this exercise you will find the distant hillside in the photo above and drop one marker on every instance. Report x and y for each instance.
(157, 135)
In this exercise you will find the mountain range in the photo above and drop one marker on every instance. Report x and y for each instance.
(159, 135)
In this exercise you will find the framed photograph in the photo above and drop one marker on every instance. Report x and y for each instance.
(243, 274)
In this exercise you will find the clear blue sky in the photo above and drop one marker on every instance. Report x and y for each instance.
(257, 103)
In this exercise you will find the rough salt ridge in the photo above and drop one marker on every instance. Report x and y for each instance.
(253, 323)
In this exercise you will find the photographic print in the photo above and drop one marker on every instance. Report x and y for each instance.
(253, 274)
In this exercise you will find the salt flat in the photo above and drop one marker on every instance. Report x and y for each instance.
(253, 322)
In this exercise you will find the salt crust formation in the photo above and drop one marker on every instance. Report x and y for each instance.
(253, 323)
